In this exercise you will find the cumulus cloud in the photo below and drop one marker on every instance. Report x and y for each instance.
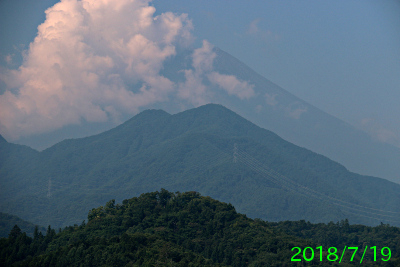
(265, 35)
(203, 58)
(232, 85)
(91, 60)
(295, 110)
(253, 27)
(194, 88)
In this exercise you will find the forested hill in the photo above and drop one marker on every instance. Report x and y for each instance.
(186, 229)
(209, 149)
(7, 221)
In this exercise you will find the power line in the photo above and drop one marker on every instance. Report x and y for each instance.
(291, 185)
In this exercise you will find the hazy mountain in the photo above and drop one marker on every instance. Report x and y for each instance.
(272, 108)
(305, 125)
(209, 149)
(8, 221)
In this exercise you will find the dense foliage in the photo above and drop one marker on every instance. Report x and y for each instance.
(343, 234)
(181, 229)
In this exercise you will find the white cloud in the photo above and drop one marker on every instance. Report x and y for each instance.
(203, 58)
(85, 60)
(194, 89)
(94, 60)
(265, 35)
(253, 27)
(232, 85)
(295, 110)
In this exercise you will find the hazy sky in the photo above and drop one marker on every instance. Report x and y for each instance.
(340, 56)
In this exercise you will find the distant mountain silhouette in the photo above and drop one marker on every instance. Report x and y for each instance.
(8, 221)
(272, 108)
(305, 125)
(209, 149)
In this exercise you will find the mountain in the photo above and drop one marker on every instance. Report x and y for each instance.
(187, 229)
(272, 108)
(299, 122)
(8, 221)
(209, 149)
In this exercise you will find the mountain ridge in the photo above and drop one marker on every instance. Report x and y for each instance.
(314, 128)
(275, 109)
(265, 177)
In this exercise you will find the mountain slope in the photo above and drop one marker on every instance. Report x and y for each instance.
(16, 161)
(272, 108)
(295, 120)
(305, 125)
(209, 149)
(7, 222)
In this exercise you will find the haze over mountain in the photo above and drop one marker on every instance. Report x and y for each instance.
(8, 221)
(78, 78)
(209, 149)
(272, 108)
(293, 119)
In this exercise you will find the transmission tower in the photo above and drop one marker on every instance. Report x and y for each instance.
(235, 153)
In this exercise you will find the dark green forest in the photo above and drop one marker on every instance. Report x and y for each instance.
(186, 229)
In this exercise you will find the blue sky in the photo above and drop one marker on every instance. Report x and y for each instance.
(340, 56)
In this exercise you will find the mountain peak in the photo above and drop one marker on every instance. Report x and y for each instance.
(153, 112)
(213, 108)
(148, 115)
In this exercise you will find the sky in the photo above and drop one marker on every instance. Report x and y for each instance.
(341, 56)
